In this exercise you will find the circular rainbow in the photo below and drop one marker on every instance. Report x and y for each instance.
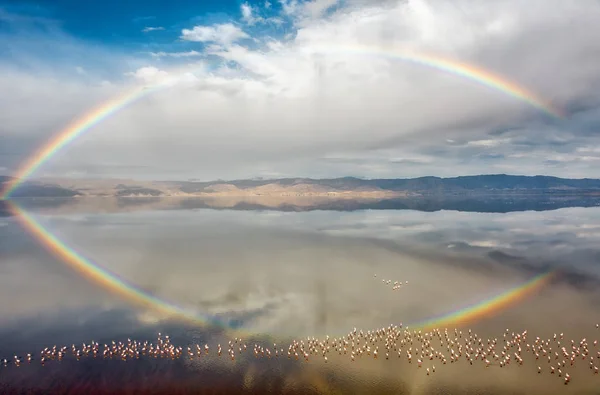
(120, 286)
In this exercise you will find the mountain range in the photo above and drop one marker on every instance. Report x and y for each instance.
(345, 187)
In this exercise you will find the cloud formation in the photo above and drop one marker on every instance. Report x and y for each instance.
(176, 54)
(225, 33)
(323, 94)
(152, 29)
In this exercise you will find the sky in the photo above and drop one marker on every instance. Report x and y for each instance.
(300, 88)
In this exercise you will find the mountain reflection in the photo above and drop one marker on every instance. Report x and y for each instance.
(482, 204)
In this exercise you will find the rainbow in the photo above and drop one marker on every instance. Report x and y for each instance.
(105, 278)
(111, 107)
(119, 286)
(79, 127)
(450, 66)
(487, 307)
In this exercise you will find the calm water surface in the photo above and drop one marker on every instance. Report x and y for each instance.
(273, 276)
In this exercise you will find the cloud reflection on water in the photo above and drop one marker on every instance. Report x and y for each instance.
(298, 274)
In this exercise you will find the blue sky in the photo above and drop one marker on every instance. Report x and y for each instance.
(121, 23)
(297, 88)
(131, 27)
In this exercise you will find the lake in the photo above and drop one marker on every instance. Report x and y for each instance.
(441, 281)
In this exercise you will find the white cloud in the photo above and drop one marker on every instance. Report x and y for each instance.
(186, 54)
(149, 74)
(289, 7)
(152, 29)
(246, 11)
(316, 8)
(226, 33)
(248, 14)
(595, 150)
(303, 12)
(487, 142)
(336, 98)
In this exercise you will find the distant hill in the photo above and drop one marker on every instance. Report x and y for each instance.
(421, 184)
(340, 188)
(37, 189)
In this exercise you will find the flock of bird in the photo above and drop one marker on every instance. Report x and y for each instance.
(554, 356)
(396, 285)
(424, 349)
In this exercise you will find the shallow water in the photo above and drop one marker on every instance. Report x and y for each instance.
(273, 276)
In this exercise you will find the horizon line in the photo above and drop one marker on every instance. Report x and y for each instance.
(259, 178)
